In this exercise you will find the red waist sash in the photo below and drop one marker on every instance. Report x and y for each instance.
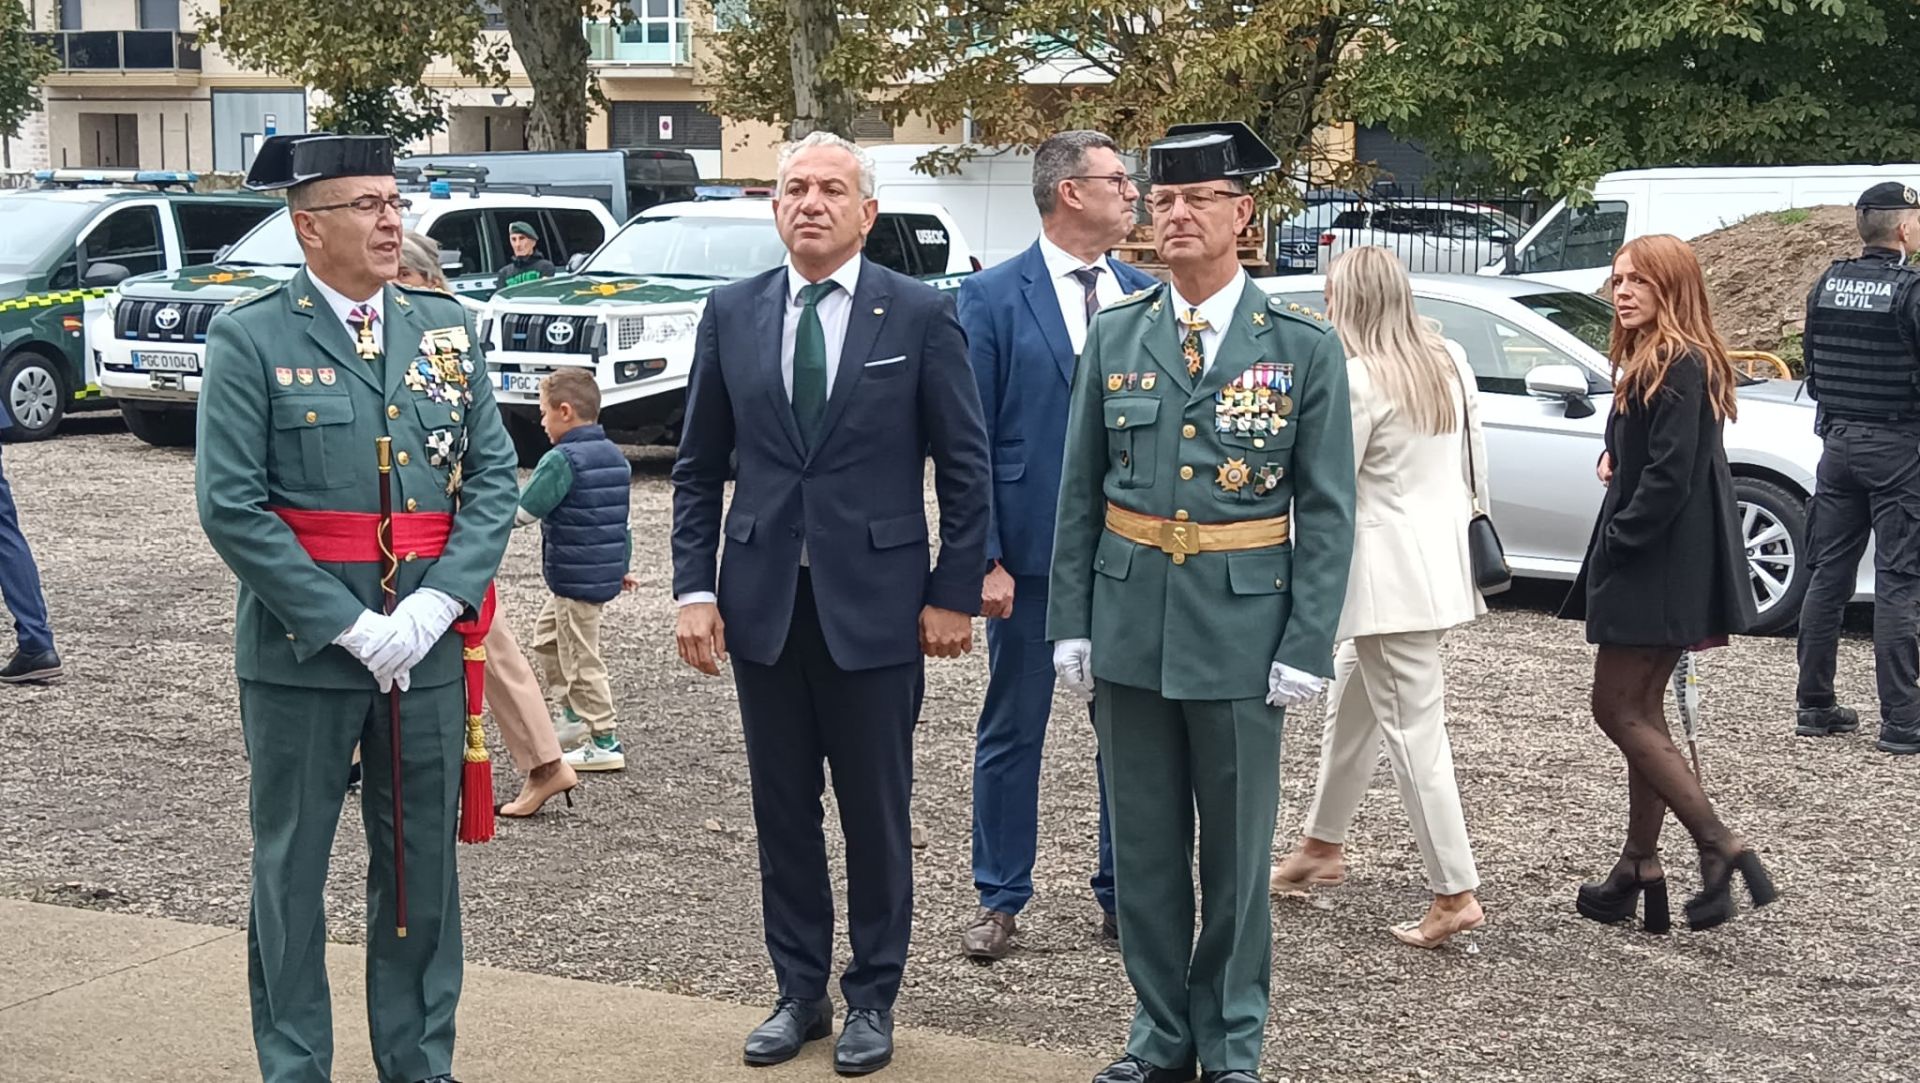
(353, 537)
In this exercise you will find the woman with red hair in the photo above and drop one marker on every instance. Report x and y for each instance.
(1666, 570)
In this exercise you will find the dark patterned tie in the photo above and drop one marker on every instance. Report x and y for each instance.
(1190, 346)
(1087, 277)
(810, 362)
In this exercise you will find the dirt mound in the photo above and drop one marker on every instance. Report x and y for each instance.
(1760, 269)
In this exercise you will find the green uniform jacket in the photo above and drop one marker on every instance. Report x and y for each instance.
(288, 415)
(1142, 435)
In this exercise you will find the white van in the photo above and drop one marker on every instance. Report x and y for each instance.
(1573, 247)
(990, 199)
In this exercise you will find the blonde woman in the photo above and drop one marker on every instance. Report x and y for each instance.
(1411, 580)
(513, 694)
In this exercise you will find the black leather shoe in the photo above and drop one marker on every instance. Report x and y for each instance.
(440, 1079)
(1825, 721)
(1110, 928)
(866, 1042)
(38, 666)
(793, 1024)
(1235, 1076)
(1899, 740)
(1131, 1069)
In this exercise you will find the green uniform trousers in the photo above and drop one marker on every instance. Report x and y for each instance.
(300, 745)
(1202, 999)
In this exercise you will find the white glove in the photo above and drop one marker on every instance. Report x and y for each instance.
(380, 644)
(1290, 687)
(1073, 665)
(422, 618)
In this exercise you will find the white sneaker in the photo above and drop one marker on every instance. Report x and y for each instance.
(568, 732)
(591, 757)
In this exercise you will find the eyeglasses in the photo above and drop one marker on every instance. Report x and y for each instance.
(1199, 200)
(1120, 181)
(369, 205)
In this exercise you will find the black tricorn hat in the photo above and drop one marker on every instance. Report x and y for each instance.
(1888, 196)
(285, 161)
(1192, 153)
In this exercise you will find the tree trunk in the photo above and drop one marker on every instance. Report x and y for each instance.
(819, 104)
(547, 37)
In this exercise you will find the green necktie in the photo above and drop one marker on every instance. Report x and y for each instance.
(810, 362)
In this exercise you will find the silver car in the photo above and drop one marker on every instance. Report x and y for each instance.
(1539, 352)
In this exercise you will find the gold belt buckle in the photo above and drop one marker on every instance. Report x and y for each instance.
(1179, 539)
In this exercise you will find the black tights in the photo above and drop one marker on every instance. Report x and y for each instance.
(1629, 697)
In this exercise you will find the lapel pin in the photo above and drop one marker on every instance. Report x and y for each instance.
(1259, 319)
(305, 302)
(401, 300)
(879, 311)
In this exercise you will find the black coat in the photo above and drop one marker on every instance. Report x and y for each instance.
(1667, 564)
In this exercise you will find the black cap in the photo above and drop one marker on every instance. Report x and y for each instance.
(1888, 196)
(285, 161)
(1192, 153)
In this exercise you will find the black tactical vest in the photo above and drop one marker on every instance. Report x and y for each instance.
(1860, 355)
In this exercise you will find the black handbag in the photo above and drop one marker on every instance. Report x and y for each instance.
(1490, 571)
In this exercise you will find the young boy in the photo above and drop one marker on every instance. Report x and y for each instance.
(579, 493)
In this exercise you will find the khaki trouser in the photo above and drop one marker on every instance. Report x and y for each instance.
(566, 643)
(513, 697)
(1390, 687)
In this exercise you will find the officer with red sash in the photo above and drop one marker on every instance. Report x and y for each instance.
(304, 379)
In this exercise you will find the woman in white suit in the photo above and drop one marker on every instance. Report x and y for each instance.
(1412, 579)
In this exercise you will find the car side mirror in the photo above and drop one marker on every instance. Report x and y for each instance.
(575, 262)
(451, 259)
(1565, 383)
(104, 274)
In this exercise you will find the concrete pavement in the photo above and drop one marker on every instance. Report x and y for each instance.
(86, 995)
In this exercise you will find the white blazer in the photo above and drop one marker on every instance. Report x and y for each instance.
(1411, 569)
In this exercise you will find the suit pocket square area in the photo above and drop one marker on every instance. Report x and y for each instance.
(886, 361)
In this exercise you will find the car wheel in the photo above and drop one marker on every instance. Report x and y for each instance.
(1773, 528)
(33, 394)
(161, 427)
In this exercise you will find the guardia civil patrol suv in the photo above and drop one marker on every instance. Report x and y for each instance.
(629, 313)
(151, 335)
(64, 244)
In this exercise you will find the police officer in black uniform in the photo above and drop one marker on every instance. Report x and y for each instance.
(1863, 368)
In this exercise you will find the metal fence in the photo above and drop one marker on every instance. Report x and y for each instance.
(1434, 229)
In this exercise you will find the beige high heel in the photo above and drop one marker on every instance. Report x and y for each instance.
(1408, 932)
(1317, 876)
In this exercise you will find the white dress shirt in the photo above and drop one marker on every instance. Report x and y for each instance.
(1073, 297)
(343, 307)
(833, 310)
(1216, 310)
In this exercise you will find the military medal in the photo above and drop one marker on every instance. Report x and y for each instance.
(1233, 475)
(440, 445)
(366, 347)
(1115, 381)
(283, 377)
(305, 376)
(1132, 378)
(326, 377)
(1147, 380)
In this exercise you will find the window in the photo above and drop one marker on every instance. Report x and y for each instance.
(1501, 355)
(1582, 315)
(927, 236)
(1577, 238)
(886, 247)
(502, 220)
(206, 228)
(730, 14)
(70, 14)
(159, 14)
(579, 233)
(460, 232)
(129, 237)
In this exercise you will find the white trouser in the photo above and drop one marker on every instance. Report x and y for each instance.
(1391, 688)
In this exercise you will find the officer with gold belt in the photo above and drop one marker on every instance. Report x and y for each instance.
(302, 379)
(1200, 563)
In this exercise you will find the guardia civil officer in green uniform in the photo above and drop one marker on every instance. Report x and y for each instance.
(301, 379)
(1199, 566)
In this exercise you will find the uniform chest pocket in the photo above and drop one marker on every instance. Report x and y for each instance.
(1130, 434)
(313, 438)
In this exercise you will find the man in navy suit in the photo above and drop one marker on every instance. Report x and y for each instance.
(833, 379)
(1026, 320)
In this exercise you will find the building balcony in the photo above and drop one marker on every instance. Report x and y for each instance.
(123, 50)
(645, 41)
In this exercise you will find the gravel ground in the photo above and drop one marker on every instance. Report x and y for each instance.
(126, 790)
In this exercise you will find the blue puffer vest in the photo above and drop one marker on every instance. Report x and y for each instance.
(583, 542)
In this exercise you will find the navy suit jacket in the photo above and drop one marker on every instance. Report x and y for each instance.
(902, 392)
(1023, 362)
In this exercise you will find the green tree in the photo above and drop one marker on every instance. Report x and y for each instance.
(1556, 92)
(369, 57)
(28, 62)
(1127, 69)
(546, 36)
